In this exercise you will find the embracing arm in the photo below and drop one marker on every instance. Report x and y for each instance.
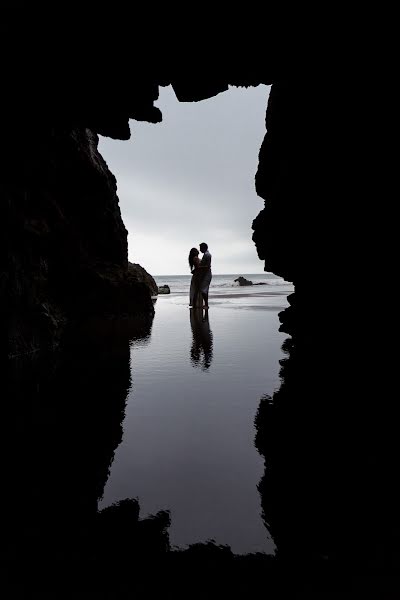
(196, 262)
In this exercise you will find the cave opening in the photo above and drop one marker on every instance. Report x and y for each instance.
(188, 442)
(191, 177)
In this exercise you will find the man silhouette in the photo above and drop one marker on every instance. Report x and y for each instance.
(205, 264)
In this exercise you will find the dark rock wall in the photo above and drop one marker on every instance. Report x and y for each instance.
(64, 245)
(327, 435)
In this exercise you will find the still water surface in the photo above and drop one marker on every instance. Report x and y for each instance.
(188, 441)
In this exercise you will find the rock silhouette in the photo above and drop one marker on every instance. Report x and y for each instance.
(164, 289)
(243, 281)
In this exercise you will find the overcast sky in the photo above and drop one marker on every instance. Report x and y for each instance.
(190, 179)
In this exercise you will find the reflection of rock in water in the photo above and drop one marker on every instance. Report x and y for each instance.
(323, 496)
(302, 490)
(62, 423)
(201, 352)
(62, 419)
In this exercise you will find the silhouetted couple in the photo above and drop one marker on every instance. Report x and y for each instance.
(201, 276)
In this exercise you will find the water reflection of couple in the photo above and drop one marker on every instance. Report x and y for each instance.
(202, 345)
(201, 277)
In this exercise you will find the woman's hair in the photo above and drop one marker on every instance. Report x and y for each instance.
(194, 252)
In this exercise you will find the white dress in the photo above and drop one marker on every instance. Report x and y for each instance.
(195, 297)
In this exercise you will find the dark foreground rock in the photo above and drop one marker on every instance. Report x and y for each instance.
(243, 281)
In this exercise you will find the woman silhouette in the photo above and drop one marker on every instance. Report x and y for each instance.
(195, 296)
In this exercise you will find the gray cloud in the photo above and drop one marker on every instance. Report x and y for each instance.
(191, 179)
